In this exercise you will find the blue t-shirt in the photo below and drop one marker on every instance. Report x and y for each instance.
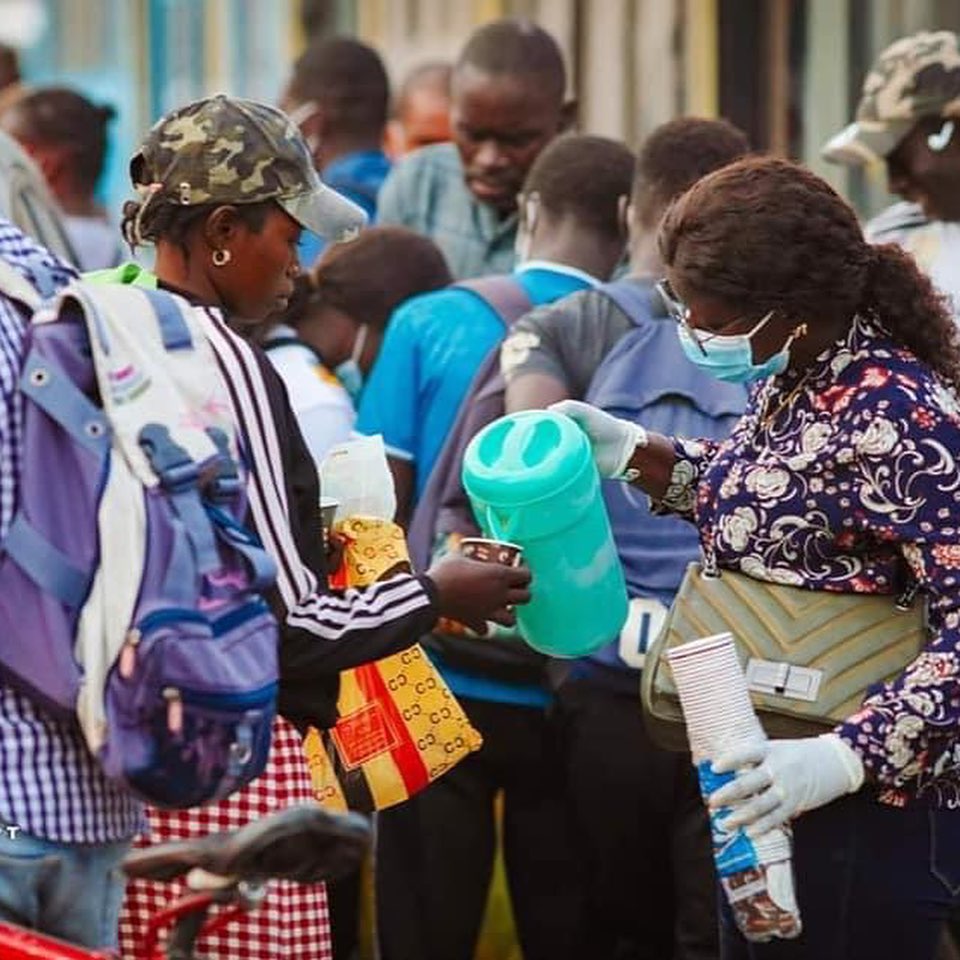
(433, 347)
(358, 177)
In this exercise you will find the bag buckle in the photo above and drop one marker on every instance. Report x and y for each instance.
(772, 678)
(170, 462)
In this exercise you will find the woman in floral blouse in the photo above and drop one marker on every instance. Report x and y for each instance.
(843, 475)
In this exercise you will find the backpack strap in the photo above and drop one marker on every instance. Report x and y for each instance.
(16, 286)
(162, 394)
(639, 301)
(179, 476)
(504, 295)
(43, 277)
(45, 565)
(174, 331)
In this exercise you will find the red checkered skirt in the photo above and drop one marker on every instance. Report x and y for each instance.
(293, 920)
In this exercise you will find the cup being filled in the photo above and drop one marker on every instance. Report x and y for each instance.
(492, 551)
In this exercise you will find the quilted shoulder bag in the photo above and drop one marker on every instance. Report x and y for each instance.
(810, 656)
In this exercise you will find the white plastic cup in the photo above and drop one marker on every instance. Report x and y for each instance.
(719, 715)
(714, 696)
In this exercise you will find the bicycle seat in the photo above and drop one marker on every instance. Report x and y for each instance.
(304, 843)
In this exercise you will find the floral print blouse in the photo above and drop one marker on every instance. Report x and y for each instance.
(842, 477)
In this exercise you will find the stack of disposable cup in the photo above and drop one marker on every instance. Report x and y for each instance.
(755, 873)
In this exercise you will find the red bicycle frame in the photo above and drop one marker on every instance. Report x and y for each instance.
(19, 944)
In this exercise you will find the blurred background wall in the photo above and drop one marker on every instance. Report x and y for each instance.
(787, 71)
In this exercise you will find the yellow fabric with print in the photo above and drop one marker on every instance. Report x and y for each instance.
(399, 726)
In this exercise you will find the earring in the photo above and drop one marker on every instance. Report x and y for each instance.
(938, 142)
(220, 258)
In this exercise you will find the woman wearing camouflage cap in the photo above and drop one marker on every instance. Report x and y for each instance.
(226, 187)
(909, 118)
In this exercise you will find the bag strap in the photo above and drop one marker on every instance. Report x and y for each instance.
(16, 286)
(504, 295)
(638, 301)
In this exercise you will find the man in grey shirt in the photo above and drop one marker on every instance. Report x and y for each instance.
(507, 105)
(640, 826)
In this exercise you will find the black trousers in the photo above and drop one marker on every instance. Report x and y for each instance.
(873, 882)
(643, 834)
(435, 852)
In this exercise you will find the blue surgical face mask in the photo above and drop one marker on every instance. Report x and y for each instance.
(730, 357)
(349, 373)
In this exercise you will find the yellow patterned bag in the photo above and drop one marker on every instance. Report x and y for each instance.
(399, 726)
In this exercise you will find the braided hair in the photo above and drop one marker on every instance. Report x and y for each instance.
(771, 234)
(149, 220)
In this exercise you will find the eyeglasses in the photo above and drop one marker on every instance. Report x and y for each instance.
(680, 312)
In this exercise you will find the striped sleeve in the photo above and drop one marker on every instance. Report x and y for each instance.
(357, 625)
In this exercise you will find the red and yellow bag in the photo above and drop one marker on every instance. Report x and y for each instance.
(400, 727)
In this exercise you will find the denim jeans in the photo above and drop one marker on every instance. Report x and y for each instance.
(71, 891)
(873, 883)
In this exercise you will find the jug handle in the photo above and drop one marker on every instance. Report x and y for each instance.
(494, 527)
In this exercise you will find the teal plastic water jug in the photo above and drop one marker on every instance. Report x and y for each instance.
(532, 481)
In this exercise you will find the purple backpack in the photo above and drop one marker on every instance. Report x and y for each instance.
(130, 591)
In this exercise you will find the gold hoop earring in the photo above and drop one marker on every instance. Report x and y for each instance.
(220, 258)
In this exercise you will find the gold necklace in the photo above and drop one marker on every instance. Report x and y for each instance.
(768, 418)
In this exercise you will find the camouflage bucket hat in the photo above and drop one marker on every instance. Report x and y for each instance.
(226, 150)
(914, 77)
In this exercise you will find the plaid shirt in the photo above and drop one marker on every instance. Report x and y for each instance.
(50, 785)
(426, 192)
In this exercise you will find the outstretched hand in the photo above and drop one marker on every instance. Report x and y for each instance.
(613, 440)
(473, 592)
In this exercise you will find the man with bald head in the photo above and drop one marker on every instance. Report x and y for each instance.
(508, 102)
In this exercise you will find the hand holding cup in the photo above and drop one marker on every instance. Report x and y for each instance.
(485, 581)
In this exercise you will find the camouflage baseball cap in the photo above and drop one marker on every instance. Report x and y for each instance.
(225, 150)
(914, 77)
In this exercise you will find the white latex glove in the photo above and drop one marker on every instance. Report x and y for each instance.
(780, 779)
(613, 440)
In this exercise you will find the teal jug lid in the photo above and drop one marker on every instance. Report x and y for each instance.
(524, 457)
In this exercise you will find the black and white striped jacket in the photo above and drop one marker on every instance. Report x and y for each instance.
(321, 632)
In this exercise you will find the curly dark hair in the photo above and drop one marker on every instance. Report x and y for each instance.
(770, 235)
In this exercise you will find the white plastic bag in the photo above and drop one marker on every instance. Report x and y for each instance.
(356, 475)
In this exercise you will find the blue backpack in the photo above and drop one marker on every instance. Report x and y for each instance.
(647, 378)
(130, 591)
